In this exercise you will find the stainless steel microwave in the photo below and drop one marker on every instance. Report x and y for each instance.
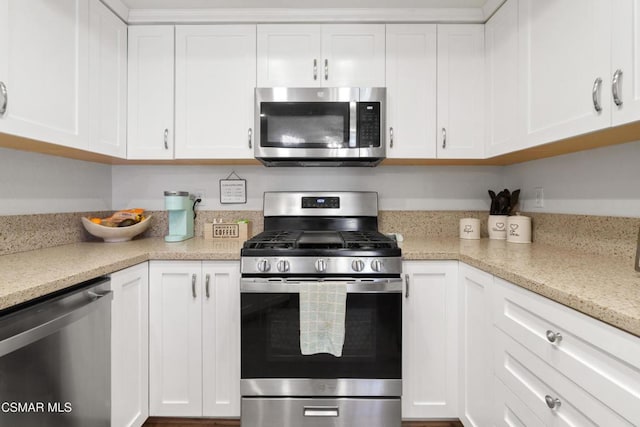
(320, 126)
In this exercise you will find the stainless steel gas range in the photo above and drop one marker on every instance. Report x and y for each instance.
(315, 241)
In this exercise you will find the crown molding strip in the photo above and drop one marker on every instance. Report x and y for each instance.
(204, 16)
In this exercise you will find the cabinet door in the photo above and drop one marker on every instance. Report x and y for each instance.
(509, 411)
(175, 338)
(411, 90)
(461, 105)
(626, 58)
(476, 395)
(353, 55)
(289, 55)
(564, 48)
(130, 346)
(45, 70)
(107, 81)
(150, 107)
(504, 126)
(430, 340)
(221, 339)
(215, 81)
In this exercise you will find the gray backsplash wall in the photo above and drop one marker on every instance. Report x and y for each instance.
(596, 182)
(32, 183)
(604, 181)
(399, 187)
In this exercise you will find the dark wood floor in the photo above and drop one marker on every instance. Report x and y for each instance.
(192, 422)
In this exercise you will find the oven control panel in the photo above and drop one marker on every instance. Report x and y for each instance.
(274, 266)
(321, 203)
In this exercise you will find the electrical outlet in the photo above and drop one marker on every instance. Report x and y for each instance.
(200, 194)
(539, 197)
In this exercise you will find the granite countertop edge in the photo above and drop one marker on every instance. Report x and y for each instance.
(604, 288)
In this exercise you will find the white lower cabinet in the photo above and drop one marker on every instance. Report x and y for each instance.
(430, 340)
(475, 346)
(567, 368)
(130, 346)
(194, 364)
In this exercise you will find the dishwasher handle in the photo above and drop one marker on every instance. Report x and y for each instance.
(19, 329)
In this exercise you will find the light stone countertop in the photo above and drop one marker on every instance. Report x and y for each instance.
(605, 288)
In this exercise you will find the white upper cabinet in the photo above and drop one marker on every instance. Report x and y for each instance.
(565, 50)
(311, 55)
(411, 90)
(215, 81)
(150, 131)
(625, 61)
(107, 81)
(504, 127)
(353, 55)
(289, 55)
(461, 106)
(44, 70)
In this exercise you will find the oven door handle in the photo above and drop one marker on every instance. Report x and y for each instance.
(293, 287)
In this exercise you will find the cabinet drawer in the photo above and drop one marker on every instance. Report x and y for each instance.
(592, 358)
(534, 381)
(509, 410)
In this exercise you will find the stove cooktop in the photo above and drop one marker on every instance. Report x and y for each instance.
(283, 239)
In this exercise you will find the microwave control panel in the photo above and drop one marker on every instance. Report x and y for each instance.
(369, 124)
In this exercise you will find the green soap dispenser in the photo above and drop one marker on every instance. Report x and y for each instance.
(179, 205)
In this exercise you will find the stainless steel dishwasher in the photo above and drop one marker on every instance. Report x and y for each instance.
(55, 360)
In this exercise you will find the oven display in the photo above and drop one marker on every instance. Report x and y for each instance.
(321, 203)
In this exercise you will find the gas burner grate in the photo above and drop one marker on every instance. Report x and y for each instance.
(356, 240)
(281, 239)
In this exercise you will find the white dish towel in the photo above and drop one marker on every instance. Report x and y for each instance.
(322, 312)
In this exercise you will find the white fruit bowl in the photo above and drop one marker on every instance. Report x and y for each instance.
(115, 234)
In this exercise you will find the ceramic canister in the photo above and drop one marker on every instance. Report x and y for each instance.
(519, 229)
(497, 227)
(470, 228)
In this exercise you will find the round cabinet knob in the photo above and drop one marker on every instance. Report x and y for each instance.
(554, 337)
(321, 265)
(263, 265)
(376, 265)
(551, 402)
(283, 266)
(357, 265)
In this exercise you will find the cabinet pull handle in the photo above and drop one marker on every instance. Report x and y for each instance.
(444, 138)
(615, 87)
(166, 139)
(552, 403)
(554, 336)
(5, 98)
(207, 279)
(406, 282)
(250, 137)
(326, 69)
(315, 69)
(595, 94)
(391, 137)
(193, 285)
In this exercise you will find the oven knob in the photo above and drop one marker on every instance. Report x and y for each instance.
(283, 266)
(263, 265)
(376, 265)
(321, 266)
(357, 265)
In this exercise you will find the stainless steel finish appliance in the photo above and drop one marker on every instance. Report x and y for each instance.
(311, 238)
(55, 360)
(320, 126)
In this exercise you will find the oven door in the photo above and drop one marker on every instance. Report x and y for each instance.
(273, 365)
(306, 122)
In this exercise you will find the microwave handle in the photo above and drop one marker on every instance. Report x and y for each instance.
(250, 137)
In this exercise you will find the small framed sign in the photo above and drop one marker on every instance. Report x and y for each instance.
(233, 190)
